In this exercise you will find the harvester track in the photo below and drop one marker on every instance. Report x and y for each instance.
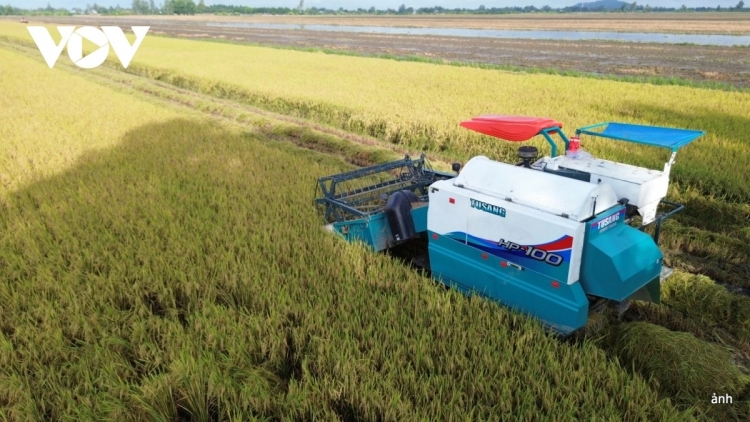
(268, 123)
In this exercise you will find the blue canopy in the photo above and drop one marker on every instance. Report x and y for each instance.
(658, 136)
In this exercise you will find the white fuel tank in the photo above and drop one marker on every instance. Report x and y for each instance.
(562, 196)
(643, 187)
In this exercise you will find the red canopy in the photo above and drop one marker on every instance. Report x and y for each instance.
(510, 128)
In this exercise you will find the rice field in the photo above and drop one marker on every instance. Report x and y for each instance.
(161, 258)
(418, 106)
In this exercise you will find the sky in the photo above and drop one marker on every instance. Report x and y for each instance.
(366, 4)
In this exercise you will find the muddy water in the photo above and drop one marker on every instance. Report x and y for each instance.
(642, 37)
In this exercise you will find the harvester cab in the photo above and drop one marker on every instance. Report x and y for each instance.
(554, 237)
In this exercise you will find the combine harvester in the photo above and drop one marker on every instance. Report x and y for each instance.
(556, 237)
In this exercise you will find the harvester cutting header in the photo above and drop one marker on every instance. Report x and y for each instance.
(552, 237)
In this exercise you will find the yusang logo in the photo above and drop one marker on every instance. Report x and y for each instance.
(492, 209)
(73, 38)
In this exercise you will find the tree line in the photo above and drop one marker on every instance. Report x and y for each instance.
(190, 7)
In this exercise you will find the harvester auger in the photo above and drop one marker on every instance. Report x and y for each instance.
(552, 237)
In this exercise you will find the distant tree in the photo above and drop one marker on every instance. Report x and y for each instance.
(647, 8)
(633, 5)
(622, 9)
(151, 6)
(481, 8)
(546, 8)
(202, 7)
(301, 5)
(402, 9)
(140, 7)
(684, 8)
(180, 7)
(740, 5)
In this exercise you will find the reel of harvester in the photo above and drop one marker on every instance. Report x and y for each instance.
(378, 205)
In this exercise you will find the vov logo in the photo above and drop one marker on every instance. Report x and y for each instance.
(73, 38)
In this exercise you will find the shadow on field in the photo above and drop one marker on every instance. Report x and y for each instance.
(183, 276)
(127, 274)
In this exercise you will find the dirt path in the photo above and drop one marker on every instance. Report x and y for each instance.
(730, 65)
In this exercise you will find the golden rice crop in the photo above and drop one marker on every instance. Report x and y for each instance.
(680, 362)
(213, 273)
(419, 106)
(32, 147)
(181, 274)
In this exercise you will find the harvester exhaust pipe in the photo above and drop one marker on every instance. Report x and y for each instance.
(527, 154)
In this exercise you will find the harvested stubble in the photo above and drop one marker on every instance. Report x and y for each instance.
(182, 274)
(674, 22)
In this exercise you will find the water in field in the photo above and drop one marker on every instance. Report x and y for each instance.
(720, 40)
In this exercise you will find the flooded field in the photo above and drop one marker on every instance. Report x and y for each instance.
(640, 37)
